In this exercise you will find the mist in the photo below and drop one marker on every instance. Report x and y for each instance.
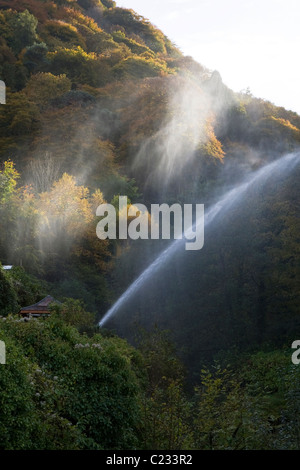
(228, 202)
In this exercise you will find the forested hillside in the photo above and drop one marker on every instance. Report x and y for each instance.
(99, 104)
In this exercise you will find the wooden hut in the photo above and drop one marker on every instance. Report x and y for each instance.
(39, 309)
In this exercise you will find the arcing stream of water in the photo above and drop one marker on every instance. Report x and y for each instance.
(281, 166)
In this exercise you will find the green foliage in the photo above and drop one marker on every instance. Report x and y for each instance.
(61, 34)
(108, 3)
(166, 410)
(8, 297)
(73, 313)
(43, 87)
(83, 391)
(74, 392)
(86, 4)
(166, 419)
(78, 65)
(24, 30)
(63, 31)
(139, 67)
(8, 180)
(115, 184)
(73, 97)
(97, 41)
(221, 411)
(28, 289)
(160, 358)
(34, 57)
(16, 400)
(133, 45)
(12, 72)
(253, 406)
(20, 116)
(135, 24)
(84, 103)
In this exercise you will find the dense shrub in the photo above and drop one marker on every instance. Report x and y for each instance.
(80, 66)
(80, 388)
(135, 67)
(8, 296)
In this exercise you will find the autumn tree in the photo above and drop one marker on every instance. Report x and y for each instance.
(8, 180)
(24, 30)
(65, 209)
(44, 171)
(43, 87)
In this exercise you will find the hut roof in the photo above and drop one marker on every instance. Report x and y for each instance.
(40, 308)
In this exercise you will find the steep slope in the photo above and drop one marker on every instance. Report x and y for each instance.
(100, 103)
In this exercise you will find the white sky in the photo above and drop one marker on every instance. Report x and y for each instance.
(252, 43)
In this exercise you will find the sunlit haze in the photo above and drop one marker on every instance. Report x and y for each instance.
(251, 43)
